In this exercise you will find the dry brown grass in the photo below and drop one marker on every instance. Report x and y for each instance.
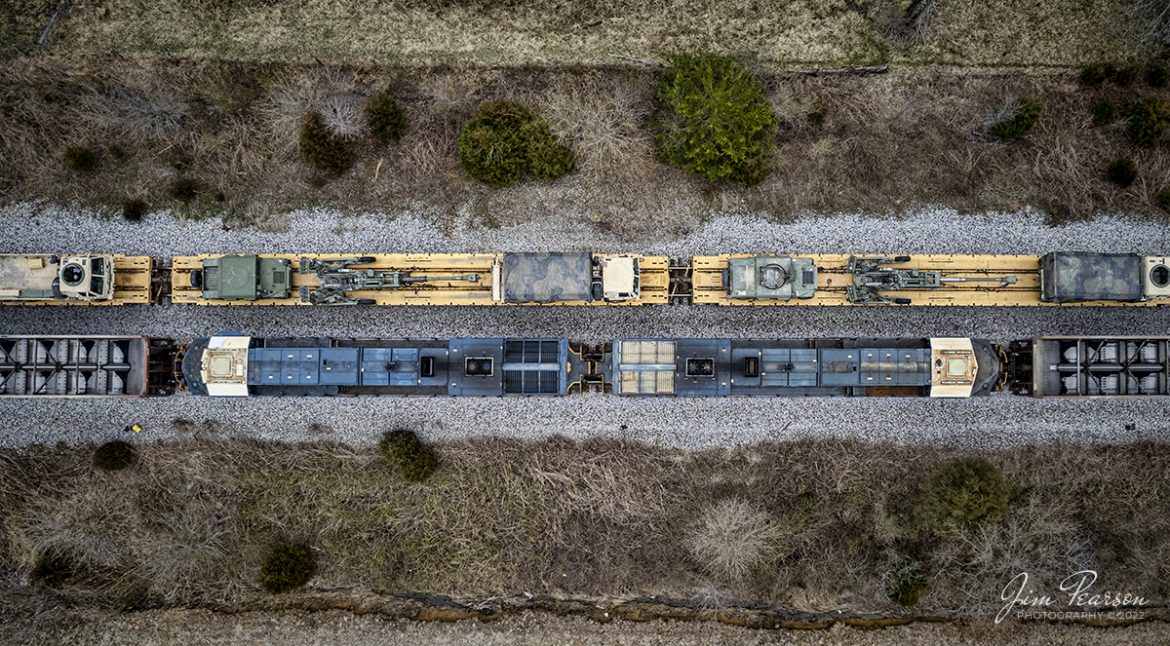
(808, 525)
(234, 129)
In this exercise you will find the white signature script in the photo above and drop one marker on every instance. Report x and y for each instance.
(1076, 588)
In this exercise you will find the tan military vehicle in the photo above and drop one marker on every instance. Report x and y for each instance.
(81, 279)
(36, 278)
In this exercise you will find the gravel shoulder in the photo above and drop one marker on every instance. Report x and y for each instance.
(698, 423)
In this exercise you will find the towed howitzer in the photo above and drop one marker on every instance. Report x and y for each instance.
(338, 278)
(871, 276)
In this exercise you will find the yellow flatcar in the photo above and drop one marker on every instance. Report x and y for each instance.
(421, 279)
(1059, 278)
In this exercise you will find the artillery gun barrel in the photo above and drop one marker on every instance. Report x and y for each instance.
(471, 278)
(1003, 280)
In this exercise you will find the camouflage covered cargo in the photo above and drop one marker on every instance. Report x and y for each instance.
(547, 277)
(1071, 277)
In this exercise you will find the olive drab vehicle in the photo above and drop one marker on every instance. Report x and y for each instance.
(771, 277)
(243, 278)
(38, 278)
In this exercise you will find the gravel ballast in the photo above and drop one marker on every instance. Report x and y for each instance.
(999, 421)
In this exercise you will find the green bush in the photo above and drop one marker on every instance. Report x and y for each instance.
(134, 210)
(547, 158)
(1122, 172)
(906, 584)
(818, 115)
(1092, 75)
(1022, 114)
(1123, 76)
(54, 569)
(1157, 75)
(504, 141)
(1104, 111)
(386, 119)
(415, 461)
(113, 456)
(1147, 120)
(713, 119)
(323, 150)
(81, 159)
(962, 493)
(287, 567)
(1163, 198)
(185, 189)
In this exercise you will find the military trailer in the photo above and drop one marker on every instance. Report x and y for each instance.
(52, 277)
(566, 277)
(1076, 277)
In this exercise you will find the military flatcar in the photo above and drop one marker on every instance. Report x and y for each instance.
(421, 279)
(1058, 278)
(82, 279)
(594, 279)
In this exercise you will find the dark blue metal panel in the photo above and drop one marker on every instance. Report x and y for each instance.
(338, 366)
(840, 367)
(535, 366)
(703, 367)
(476, 367)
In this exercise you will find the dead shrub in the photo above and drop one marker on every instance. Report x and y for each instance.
(324, 150)
(732, 538)
(139, 114)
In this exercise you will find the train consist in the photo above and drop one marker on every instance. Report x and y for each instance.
(1063, 278)
(233, 365)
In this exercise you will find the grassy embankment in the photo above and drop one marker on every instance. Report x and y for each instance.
(222, 138)
(808, 526)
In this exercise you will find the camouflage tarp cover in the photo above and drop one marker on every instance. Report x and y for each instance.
(547, 277)
(1070, 277)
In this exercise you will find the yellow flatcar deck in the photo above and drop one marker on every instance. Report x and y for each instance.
(833, 278)
(132, 286)
(655, 280)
